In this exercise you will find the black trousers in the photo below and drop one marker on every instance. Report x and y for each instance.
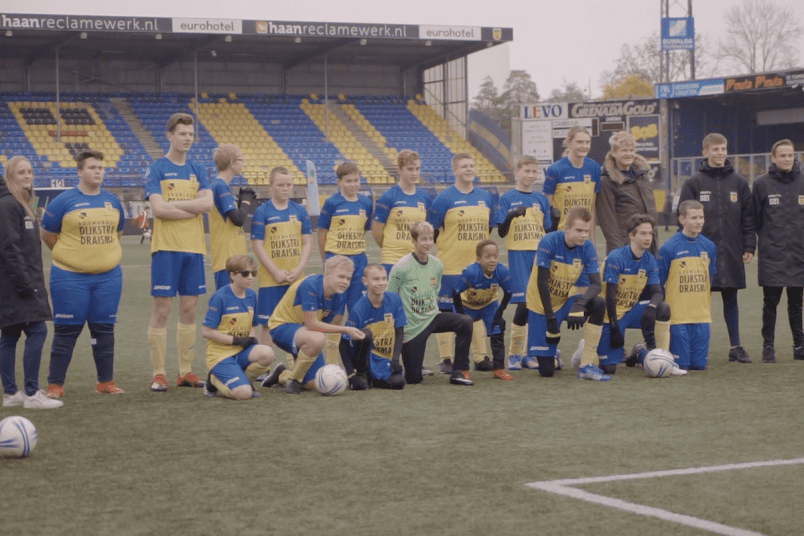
(771, 297)
(413, 350)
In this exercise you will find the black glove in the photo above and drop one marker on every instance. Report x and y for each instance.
(246, 195)
(518, 212)
(648, 318)
(26, 292)
(576, 317)
(358, 382)
(245, 342)
(553, 331)
(616, 339)
(555, 216)
(396, 368)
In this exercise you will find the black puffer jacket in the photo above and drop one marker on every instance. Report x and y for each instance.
(729, 223)
(23, 297)
(778, 201)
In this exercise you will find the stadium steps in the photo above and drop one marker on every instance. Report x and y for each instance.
(137, 128)
(372, 144)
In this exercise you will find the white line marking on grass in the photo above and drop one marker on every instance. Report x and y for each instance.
(564, 487)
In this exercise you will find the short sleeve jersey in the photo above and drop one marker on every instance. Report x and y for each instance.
(479, 290)
(225, 238)
(571, 186)
(177, 183)
(382, 321)
(398, 211)
(231, 315)
(282, 233)
(307, 295)
(525, 232)
(417, 285)
(87, 226)
(686, 266)
(346, 223)
(630, 275)
(566, 267)
(463, 220)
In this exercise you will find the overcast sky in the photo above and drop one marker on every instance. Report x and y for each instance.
(554, 40)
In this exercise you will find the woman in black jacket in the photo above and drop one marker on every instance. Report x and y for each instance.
(24, 305)
(778, 200)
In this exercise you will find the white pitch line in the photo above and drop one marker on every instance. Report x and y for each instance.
(564, 487)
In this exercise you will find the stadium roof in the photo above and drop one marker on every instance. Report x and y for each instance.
(166, 40)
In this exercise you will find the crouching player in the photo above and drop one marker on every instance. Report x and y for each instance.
(475, 294)
(686, 268)
(234, 356)
(380, 315)
(627, 272)
(562, 259)
(309, 310)
(416, 278)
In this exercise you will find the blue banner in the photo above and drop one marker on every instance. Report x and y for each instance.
(678, 33)
(695, 88)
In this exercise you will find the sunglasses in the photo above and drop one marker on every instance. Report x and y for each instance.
(245, 273)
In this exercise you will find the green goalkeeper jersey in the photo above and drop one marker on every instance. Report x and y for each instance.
(418, 285)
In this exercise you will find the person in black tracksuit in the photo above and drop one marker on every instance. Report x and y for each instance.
(778, 204)
(729, 223)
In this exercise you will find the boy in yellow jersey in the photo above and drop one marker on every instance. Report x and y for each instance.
(311, 308)
(281, 239)
(397, 209)
(462, 216)
(226, 220)
(179, 194)
(83, 226)
(234, 356)
(686, 268)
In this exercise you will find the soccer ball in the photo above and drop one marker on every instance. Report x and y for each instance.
(17, 437)
(330, 380)
(658, 363)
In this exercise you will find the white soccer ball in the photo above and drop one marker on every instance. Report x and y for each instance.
(658, 363)
(17, 437)
(331, 380)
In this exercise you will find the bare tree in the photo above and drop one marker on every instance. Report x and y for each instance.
(762, 37)
(569, 92)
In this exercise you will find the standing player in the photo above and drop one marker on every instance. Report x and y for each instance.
(726, 199)
(416, 278)
(226, 221)
(574, 180)
(778, 200)
(463, 216)
(564, 257)
(397, 209)
(82, 227)
(234, 356)
(311, 308)
(523, 218)
(285, 226)
(686, 268)
(380, 315)
(476, 296)
(179, 193)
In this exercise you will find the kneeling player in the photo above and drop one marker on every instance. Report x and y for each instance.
(627, 272)
(686, 268)
(234, 356)
(480, 284)
(562, 259)
(379, 314)
(416, 277)
(309, 310)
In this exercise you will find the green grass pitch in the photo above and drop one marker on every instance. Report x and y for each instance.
(431, 459)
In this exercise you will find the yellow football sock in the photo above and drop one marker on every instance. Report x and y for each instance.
(301, 366)
(285, 376)
(331, 349)
(255, 370)
(157, 340)
(591, 338)
(478, 347)
(220, 386)
(518, 336)
(662, 334)
(446, 345)
(185, 341)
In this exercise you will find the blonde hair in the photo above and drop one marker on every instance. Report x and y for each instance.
(20, 193)
(405, 157)
(781, 143)
(224, 154)
(714, 139)
(338, 261)
(526, 160)
(618, 139)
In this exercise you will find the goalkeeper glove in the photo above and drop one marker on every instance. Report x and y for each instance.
(245, 342)
(616, 339)
(576, 318)
(396, 368)
(246, 195)
(358, 382)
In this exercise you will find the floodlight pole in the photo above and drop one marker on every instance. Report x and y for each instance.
(692, 52)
